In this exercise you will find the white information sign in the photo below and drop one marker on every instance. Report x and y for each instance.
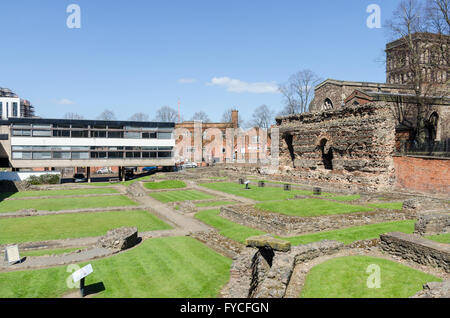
(12, 254)
(82, 273)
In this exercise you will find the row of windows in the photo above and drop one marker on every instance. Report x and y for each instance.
(88, 148)
(15, 109)
(91, 134)
(46, 155)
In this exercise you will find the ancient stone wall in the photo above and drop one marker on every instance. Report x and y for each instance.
(349, 147)
(422, 174)
(286, 225)
(417, 249)
(266, 273)
(432, 223)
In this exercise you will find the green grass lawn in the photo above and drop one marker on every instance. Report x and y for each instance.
(356, 233)
(168, 184)
(440, 238)
(346, 197)
(310, 207)
(213, 203)
(172, 267)
(57, 204)
(240, 232)
(181, 195)
(62, 226)
(346, 277)
(387, 205)
(227, 228)
(51, 251)
(255, 193)
(27, 194)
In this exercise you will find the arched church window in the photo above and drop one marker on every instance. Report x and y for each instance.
(327, 104)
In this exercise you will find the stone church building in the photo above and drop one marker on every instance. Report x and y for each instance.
(357, 133)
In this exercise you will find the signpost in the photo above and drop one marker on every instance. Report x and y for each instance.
(12, 254)
(80, 275)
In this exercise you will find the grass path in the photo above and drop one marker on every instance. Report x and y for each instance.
(181, 195)
(240, 232)
(43, 193)
(310, 207)
(346, 277)
(255, 193)
(76, 225)
(70, 203)
(173, 267)
(168, 184)
(440, 238)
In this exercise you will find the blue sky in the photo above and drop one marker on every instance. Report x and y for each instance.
(138, 55)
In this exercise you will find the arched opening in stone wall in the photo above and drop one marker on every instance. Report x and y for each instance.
(327, 104)
(288, 139)
(327, 154)
(431, 127)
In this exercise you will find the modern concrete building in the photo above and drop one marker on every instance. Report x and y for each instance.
(58, 143)
(11, 106)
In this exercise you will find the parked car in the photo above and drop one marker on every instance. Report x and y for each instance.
(149, 169)
(189, 165)
(79, 177)
(103, 170)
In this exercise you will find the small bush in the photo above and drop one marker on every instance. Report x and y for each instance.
(43, 179)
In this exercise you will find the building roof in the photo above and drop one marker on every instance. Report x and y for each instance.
(361, 84)
(87, 122)
(417, 36)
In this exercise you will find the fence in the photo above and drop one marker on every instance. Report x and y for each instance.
(429, 148)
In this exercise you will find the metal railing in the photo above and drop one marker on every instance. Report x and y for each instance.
(428, 148)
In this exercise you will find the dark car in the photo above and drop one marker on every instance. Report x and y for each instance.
(79, 177)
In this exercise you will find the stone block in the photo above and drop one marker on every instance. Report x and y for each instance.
(268, 241)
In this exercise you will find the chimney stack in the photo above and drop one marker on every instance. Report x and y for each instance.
(235, 118)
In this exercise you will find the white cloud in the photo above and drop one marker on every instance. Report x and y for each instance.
(64, 101)
(238, 86)
(187, 80)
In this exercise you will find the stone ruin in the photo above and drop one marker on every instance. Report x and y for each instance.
(264, 268)
(351, 146)
(432, 223)
(119, 239)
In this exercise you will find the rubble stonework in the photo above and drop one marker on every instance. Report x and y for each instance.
(286, 225)
(432, 223)
(417, 249)
(265, 273)
(119, 239)
(434, 290)
(353, 145)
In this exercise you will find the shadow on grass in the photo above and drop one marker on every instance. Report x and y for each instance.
(94, 289)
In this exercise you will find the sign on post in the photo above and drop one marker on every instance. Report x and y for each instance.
(80, 275)
(12, 255)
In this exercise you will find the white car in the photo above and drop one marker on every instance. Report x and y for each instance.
(103, 171)
(189, 165)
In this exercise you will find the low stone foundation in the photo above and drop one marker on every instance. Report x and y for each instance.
(286, 225)
(434, 290)
(119, 239)
(417, 249)
(433, 223)
(266, 273)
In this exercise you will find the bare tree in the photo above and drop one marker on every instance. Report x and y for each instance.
(166, 114)
(201, 115)
(73, 116)
(139, 117)
(298, 91)
(107, 115)
(262, 117)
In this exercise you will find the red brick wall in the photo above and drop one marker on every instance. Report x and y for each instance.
(424, 175)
